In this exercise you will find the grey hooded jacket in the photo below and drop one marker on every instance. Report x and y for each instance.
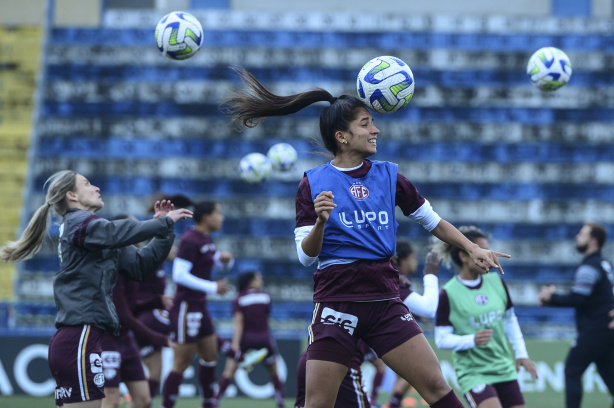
(92, 252)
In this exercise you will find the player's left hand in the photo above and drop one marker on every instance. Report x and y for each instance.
(162, 208)
(487, 259)
(528, 365)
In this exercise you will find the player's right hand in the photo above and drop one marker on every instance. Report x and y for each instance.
(324, 205)
(223, 287)
(432, 265)
(483, 337)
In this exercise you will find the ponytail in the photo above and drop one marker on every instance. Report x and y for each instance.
(251, 105)
(33, 236)
(254, 103)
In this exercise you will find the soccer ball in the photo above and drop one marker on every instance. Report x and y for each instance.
(385, 84)
(254, 167)
(282, 156)
(549, 68)
(179, 35)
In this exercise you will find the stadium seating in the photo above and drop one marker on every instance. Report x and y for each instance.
(482, 144)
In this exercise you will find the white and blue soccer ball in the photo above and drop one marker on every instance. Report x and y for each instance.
(282, 156)
(385, 84)
(179, 35)
(254, 167)
(549, 68)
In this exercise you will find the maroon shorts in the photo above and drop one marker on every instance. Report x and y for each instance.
(383, 325)
(255, 341)
(121, 360)
(190, 322)
(508, 393)
(157, 320)
(75, 363)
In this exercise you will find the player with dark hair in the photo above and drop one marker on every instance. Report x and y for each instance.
(346, 220)
(121, 361)
(251, 310)
(476, 319)
(423, 306)
(151, 304)
(92, 251)
(192, 326)
(592, 298)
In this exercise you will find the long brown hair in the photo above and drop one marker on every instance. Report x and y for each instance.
(254, 103)
(33, 236)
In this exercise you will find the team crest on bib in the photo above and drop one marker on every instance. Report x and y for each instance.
(481, 299)
(359, 191)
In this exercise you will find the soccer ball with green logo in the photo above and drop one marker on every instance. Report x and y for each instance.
(179, 35)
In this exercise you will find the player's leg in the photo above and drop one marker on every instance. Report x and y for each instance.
(396, 337)
(322, 383)
(139, 393)
(416, 362)
(133, 373)
(278, 384)
(207, 366)
(153, 362)
(230, 368)
(111, 398)
(380, 371)
(578, 360)
(84, 404)
(605, 362)
(399, 389)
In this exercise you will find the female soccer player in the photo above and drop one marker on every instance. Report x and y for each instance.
(345, 219)
(474, 316)
(191, 322)
(121, 360)
(92, 252)
(251, 310)
(151, 304)
(424, 306)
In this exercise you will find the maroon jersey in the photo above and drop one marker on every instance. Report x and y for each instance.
(198, 249)
(153, 285)
(404, 287)
(127, 319)
(361, 280)
(255, 305)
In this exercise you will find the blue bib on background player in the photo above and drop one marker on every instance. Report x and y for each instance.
(363, 225)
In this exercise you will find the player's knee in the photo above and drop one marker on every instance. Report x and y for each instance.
(141, 401)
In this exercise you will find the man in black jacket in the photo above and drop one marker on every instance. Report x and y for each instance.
(592, 297)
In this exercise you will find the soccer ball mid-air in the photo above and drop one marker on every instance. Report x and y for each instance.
(254, 167)
(549, 68)
(282, 156)
(385, 84)
(179, 35)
